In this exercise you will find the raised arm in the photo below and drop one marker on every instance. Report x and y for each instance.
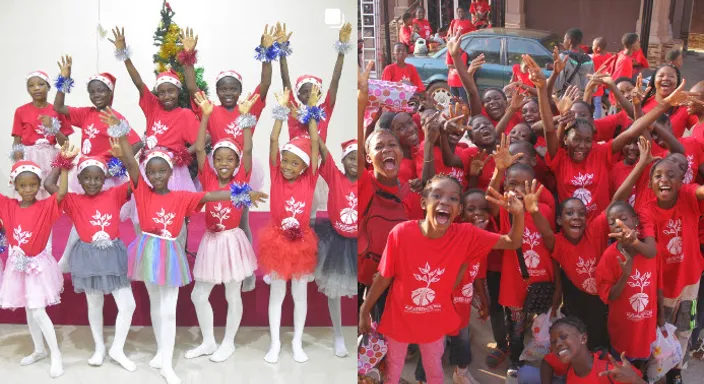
(514, 238)
(268, 38)
(51, 181)
(283, 100)
(207, 107)
(558, 65)
(255, 196)
(362, 102)
(282, 38)
(69, 153)
(345, 32)
(189, 43)
(466, 75)
(502, 160)
(673, 145)
(65, 67)
(313, 131)
(431, 128)
(122, 52)
(538, 78)
(531, 201)
(516, 104)
(626, 189)
(124, 152)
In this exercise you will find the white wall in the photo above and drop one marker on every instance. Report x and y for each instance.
(36, 33)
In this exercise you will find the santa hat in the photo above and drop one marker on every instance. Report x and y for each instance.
(308, 79)
(24, 166)
(300, 147)
(228, 73)
(88, 161)
(348, 147)
(104, 78)
(160, 154)
(40, 74)
(228, 143)
(170, 77)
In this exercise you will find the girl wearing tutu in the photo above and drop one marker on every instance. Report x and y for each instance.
(98, 260)
(32, 278)
(225, 255)
(156, 257)
(37, 128)
(336, 274)
(288, 246)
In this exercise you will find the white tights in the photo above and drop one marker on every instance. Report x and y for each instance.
(299, 291)
(162, 304)
(199, 296)
(40, 325)
(335, 309)
(125, 307)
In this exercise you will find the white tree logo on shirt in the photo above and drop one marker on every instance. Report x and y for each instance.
(234, 130)
(531, 257)
(101, 221)
(468, 289)
(425, 295)
(582, 193)
(19, 261)
(20, 236)
(164, 219)
(673, 227)
(639, 301)
(587, 267)
(349, 214)
(689, 176)
(221, 213)
(295, 207)
(91, 132)
(157, 129)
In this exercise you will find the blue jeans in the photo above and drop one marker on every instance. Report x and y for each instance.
(460, 353)
(596, 101)
(529, 374)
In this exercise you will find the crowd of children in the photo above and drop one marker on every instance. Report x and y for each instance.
(118, 175)
(553, 209)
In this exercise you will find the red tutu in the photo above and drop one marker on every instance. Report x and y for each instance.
(285, 259)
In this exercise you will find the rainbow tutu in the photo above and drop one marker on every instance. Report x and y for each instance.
(158, 260)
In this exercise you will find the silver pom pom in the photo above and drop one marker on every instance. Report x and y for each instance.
(123, 54)
(247, 120)
(280, 112)
(341, 47)
(54, 129)
(16, 148)
(119, 130)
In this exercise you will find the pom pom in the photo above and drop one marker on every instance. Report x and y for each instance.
(341, 47)
(118, 130)
(188, 58)
(16, 148)
(116, 168)
(64, 84)
(3, 241)
(123, 54)
(182, 158)
(239, 194)
(62, 162)
(19, 259)
(247, 120)
(54, 129)
(280, 112)
(293, 233)
(266, 54)
(282, 50)
(305, 113)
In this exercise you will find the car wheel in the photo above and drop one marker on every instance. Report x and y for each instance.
(439, 92)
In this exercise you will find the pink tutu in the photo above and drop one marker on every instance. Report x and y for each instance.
(224, 257)
(31, 282)
(180, 181)
(43, 154)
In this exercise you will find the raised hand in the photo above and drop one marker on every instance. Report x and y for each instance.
(678, 96)
(622, 372)
(536, 74)
(46, 120)
(257, 197)
(314, 96)
(476, 64)
(115, 148)
(518, 100)
(281, 35)
(65, 66)
(531, 198)
(245, 105)
(186, 37)
(119, 38)
(345, 33)
(625, 236)
(502, 156)
(431, 128)
(416, 185)
(455, 118)
(566, 119)
(363, 77)
(205, 104)
(69, 151)
(508, 201)
(108, 117)
(477, 164)
(283, 98)
(625, 262)
(565, 102)
(453, 44)
(557, 64)
(646, 154)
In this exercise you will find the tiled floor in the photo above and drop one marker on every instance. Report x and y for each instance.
(246, 365)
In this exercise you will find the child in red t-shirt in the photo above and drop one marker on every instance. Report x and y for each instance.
(401, 124)
(401, 72)
(422, 263)
(663, 83)
(695, 109)
(550, 366)
(422, 24)
(599, 57)
(479, 9)
(460, 24)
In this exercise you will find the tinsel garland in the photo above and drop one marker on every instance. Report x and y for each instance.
(247, 120)
(188, 58)
(283, 49)
(64, 84)
(62, 162)
(305, 113)
(265, 54)
(280, 112)
(16, 148)
(123, 54)
(54, 128)
(3, 241)
(119, 130)
(182, 158)
(239, 195)
(341, 47)
(116, 168)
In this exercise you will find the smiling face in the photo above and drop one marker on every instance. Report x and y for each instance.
(229, 90)
(476, 210)
(225, 162)
(573, 219)
(27, 185)
(631, 152)
(520, 132)
(291, 166)
(349, 163)
(530, 112)
(666, 181)
(515, 180)
(529, 155)
(567, 342)
(158, 173)
(579, 142)
(483, 133)
(403, 126)
(99, 93)
(441, 202)
(38, 89)
(384, 153)
(92, 179)
(665, 81)
(494, 103)
(167, 94)
(625, 88)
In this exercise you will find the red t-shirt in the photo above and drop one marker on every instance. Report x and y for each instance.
(639, 59)
(221, 123)
(28, 126)
(633, 315)
(424, 29)
(405, 34)
(606, 126)
(676, 233)
(95, 140)
(296, 128)
(698, 130)
(494, 261)
(618, 175)
(587, 180)
(463, 295)
(342, 199)
(220, 215)
(558, 367)
(407, 74)
(29, 228)
(579, 261)
(678, 117)
(521, 77)
(479, 6)
(453, 77)
(461, 26)
(163, 215)
(599, 59)
(368, 186)
(517, 118)
(167, 129)
(458, 173)
(97, 217)
(424, 272)
(407, 169)
(513, 288)
(485, 177)
(623, 66)
(693, 150)
(593, 377)
(290, 201)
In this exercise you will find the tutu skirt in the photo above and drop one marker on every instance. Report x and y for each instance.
(284, 259)
(43, 154)
(98, 270)
(336, 273)
(31, 282)
(223, 257)
(180, 181)
(158, 260)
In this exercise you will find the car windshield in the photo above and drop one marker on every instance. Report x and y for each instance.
(551, 42)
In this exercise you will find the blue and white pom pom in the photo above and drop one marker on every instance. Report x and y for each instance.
(247, 120)
(280, 112)
(55, 127)
(305, 113)
(282, 49)
(3, 241)
(16, 148)
(64, 84)
(239, 194)
(266, 54)
(123, 54)
(116, 168)
(341, 47)
(119, 130)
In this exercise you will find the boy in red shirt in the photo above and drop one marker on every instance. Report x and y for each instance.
(405, 34)
(599, 57)
(460, 25)
(623, 67)
(401, 72)
(422, 24)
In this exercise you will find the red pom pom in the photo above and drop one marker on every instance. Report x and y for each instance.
(188, 58)
(182, 158)
(293, 234)
(62, 162)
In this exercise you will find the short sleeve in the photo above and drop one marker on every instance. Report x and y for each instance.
(4, 205)
(390, 255)
(77, 116)
(605, 153)
(206, 175)
(647, 223)
(120, 193)
(606, 126)
(69, 204)
(52, 205)
(148, 102)
(133, 137)
(599, 225)
(555, 163)
(258, 105)
(190, 126)
(328, 170)
(17, 123)
(480, 244)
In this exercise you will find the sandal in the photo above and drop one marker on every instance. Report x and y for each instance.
(495, 358)
(698, 350)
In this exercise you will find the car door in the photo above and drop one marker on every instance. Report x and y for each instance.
(516, 47)
(491, 74)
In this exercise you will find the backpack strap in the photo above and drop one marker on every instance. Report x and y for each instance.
(519, 253)
(571, 77)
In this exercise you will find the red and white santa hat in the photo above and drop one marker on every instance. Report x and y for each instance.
(160, 154)
(104, 78)
(228, 143)
(170, 77)
(308, 79)
(88, 161)
(24, 166)
(228, 73)
(40, 74)
(348, 147)
(300, 146)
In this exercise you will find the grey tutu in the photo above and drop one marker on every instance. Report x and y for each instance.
(96, 270)
(336, 273)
